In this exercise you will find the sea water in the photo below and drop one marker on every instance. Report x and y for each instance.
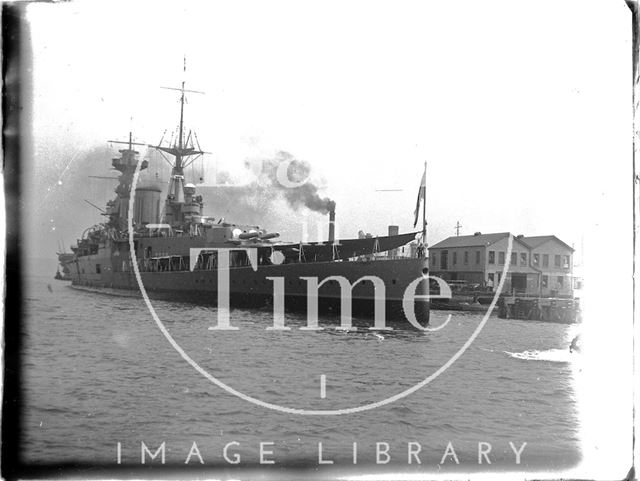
(102, 383)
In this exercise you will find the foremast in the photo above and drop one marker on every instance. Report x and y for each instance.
(118, 209)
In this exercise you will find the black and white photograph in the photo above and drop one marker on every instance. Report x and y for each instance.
(348, 239)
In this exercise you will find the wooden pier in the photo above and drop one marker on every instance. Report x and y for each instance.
(550, 309)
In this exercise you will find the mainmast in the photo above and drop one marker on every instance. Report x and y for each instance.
(181, 148)
(181, 116)
(181, 205)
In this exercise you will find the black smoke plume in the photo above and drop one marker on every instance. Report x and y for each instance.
(298, 171)
(264, 201)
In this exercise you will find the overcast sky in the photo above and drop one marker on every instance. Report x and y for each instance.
(522, 110)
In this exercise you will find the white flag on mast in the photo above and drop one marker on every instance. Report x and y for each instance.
(421, 195)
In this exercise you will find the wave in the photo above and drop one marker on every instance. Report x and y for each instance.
(549, 355)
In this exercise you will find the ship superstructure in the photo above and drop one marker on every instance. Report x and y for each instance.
(167, 232)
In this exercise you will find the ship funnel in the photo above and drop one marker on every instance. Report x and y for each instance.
(332, 225)
(394, 230)
(146, 205)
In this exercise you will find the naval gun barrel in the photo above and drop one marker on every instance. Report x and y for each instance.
(248, 235)
(271, 235)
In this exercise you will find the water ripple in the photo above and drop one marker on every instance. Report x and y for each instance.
(98, 364)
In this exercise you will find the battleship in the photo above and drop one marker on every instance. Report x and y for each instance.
(159, 236)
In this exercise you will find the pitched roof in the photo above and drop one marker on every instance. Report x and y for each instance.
(470, 240)
(536, 241)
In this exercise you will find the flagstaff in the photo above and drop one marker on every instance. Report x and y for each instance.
(424, 208)
(422, 194)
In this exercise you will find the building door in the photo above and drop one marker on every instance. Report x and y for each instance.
(519, 282)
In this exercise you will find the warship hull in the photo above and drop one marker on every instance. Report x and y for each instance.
(255, 288)
(63, 260)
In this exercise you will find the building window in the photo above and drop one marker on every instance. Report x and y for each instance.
(490, 278)
(536, 260)
(523, 258)
(498, 274)
(443, 260)
(514, 258)
(545, 281)
(455, 257)
(501, 257)
(545, 260)
(492, 257)
(97, 268)
(477, 257)
(466, 257)
(556, 261)
(560, 281)
(565, 262)
(434, 259)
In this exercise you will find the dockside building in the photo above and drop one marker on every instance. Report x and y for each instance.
(538, 265)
